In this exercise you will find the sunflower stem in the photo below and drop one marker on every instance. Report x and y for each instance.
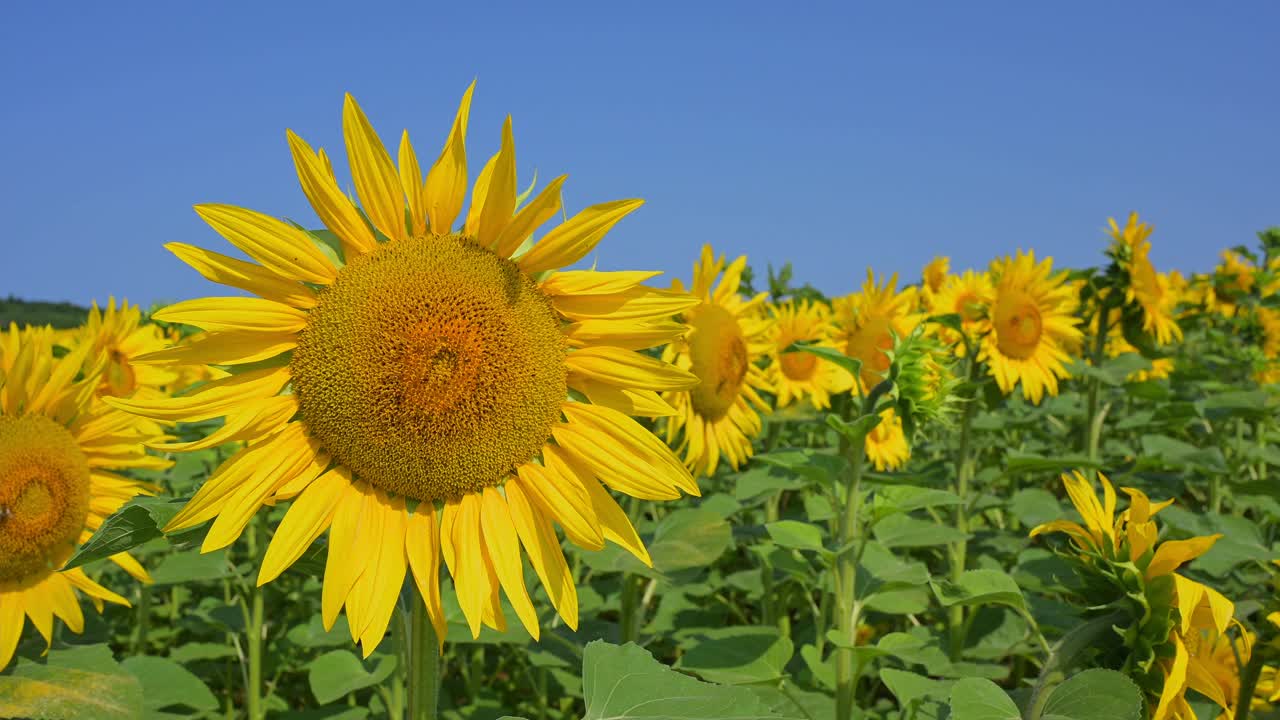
(424, 663)
(960, 549)
(1092, 428)
(144, 620)
(629, 608)
(253, 639)
(1248, 685)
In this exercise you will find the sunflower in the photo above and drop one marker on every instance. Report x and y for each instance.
(121, 334)
(868, 321)
(1033, 322)
(728, 336)
(963, 295)
(1117, 345)
(1269, 324)
(935, 276)
(795, 375)
(1214, 660)
(426, 396)
(1147, 288)
(58, 451)
(886, 444)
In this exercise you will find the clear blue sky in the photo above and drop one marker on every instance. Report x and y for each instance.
(836, 136)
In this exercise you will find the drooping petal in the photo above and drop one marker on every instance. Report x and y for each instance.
(1171, 554)
(504, 551)
(213, 399)
(644, 452)
(422, 544)
(309, 516)
(540, 542)
(559, 494)
(343, 565)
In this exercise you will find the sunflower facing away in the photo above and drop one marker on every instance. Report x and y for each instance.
(120, 334)
(1033, 323)
(727, 335)
(869, 319)
(58, 451)
(797, 375)
(414, 399)
(1147, 288)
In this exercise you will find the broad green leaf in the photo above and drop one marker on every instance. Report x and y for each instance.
(763, 481)
(797, 535)
(81, 682)
(905, 498)
(1035, 506)
(978, 699)
(166, 684)
(191, 566)
(1164, 451)
(339, 672)
(621, 682)
(689, 538)
(980, 587)
(850, 365)
(909, 687)
(137, 522)
(1094, 695)
(1029, 462)
(739, 655)
(902, 531)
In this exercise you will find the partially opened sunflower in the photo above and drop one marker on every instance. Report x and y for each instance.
(423, 395)
(59, 450)
(120, 334)
(1146, 288)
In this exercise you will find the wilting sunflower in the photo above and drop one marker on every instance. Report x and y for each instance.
(869, 319)
(58, 451)
(1033, 322)
(728, 335)
(120, 334)
(424, 397)
(1147, 288)
(886, 444)
(964, 295)
(797, 375)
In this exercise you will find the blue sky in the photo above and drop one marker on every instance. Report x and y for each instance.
(837, 136)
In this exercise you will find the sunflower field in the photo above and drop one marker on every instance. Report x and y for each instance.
(415, 463)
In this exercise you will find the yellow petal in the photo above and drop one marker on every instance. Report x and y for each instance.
(1202, 680)
(466, 559)
(369, 538)
(542, 545)
(478, 194)
(630, 446)
(504, 551)
(308, 517)
(1188, 594)
(63, 601)
(500, 196)
(213, 399)
(624, 368)
(256, 418)
(1171, 554)
(387, 576)
(422, 545)
(281, 248)
(11, 622)
(446, 186)
(223, 348)
(559, 494)
(1175, 681)
(629, 401)
(377, 182)
(343, 563)
(247, 314)
(82, 583)
(643, 304)
(530, 218)
(571, 241)
(594, 282)
(414, 189)
(327, 199)
(244, 275)
(626, 334)
(614, 522)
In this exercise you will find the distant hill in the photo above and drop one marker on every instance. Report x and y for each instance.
(29, 312)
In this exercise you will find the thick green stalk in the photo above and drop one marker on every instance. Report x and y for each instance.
(424, 663)
(846, 588)
(1248, 685)
(253, 640)
(144, 620)
(960, 548)
(1092, 428)
(629, 608)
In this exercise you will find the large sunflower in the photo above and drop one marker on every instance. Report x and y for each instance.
(1146, 287)
(869, 320)
(727, 335)
(1033, 323)
(58, 450)
(120, 334)
(423, 396)
(797, 375)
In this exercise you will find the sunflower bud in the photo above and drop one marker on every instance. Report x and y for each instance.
(924, 380)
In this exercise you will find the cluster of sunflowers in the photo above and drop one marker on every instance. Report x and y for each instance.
(425, 384)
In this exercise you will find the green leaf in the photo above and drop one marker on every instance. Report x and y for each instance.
(339, 672)
(81, 682)
(796, 534)
(1029, 462)
(898, 531)
(166, 684)
(978, 699)
(191, 566)
(851, 365)
(763, 481)
(739, 655)
(621, 682)
(1035, 506)
(980, 587)
(1095, 695)
(909, 687)
(689, 538)
(135, 523)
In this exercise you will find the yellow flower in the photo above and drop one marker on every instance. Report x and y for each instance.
(886, 444)
(867, 322)
(796, 375)
(1269, 322)
(413, 398)
(1239, 274)
(1146, 287)
(1117, 345)
(58, 450)
(1033, 321)
(935, 273)
(121, 334)
(727, 336)
(964, 295)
